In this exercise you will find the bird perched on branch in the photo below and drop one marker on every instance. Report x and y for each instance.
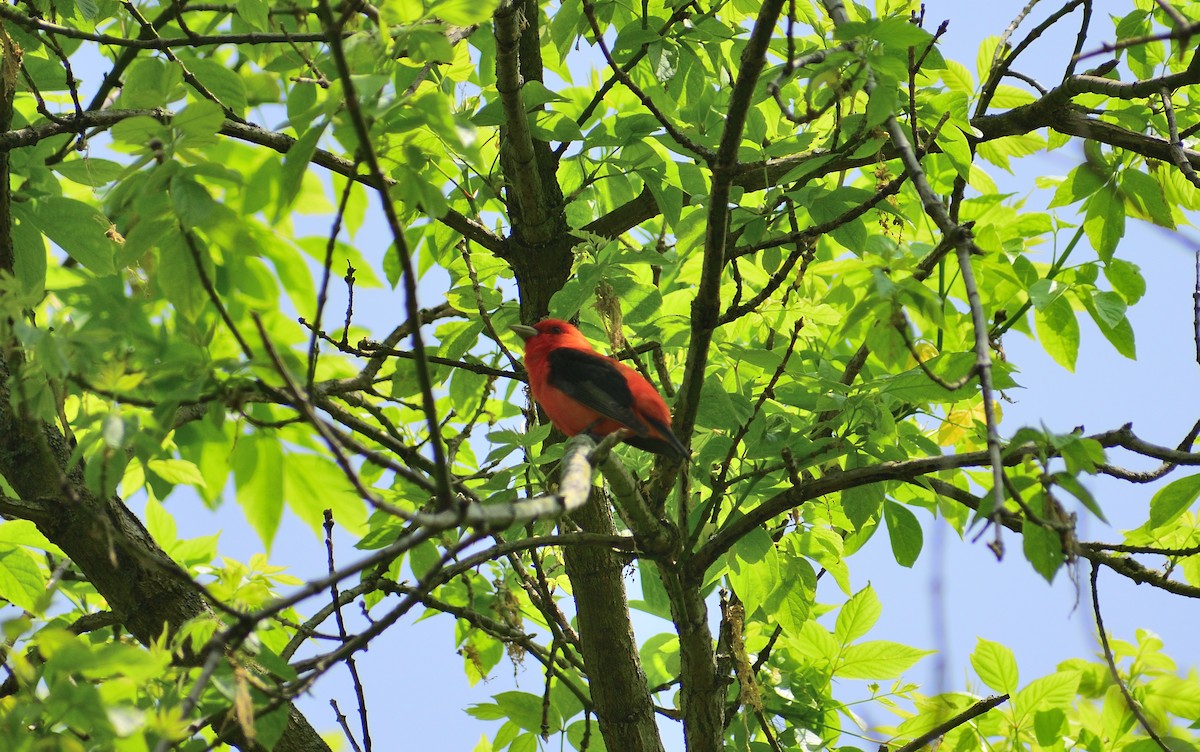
(581, 390)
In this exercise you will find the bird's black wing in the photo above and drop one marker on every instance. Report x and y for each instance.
(595, 381)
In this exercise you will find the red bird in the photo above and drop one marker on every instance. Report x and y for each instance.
(582, 390)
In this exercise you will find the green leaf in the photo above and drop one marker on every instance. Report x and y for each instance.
(21, 581)
(862, 503)
(29, 248)
(423, 557)
(255, 13)
(881, 105)
(1081, 182)
(1105, 221)
(1043, 549)
(1007, 97)
(89, 171)
(996, 666)
(914, 385)
(1126, 278)
(1173, 499)
(296, 163)
(160, 523)
(954, 143)
(178, 278)
(535, 93)
(198, 123)
(1110, 307)
(464, 12)
(1049, 726)
(269, 727)
(654, 595)
(223, 82)
(790, 601)
(88, 9)
(816, 643)
(1058, 329)
(904, 531)
(527, 742)
(525, 710)
(258, 475)
(899, 32)
(77, 228)
(958, 78)
(313, 484)
(149, 83)
(877, 659)
(1081, 454)
(857, 616)
(192, 202)
(139, 131)
(660, 657)
(25, 533)
(793, 610)
(1077, 489)
(718, 407)
(1144, 196)
(1047, 693)
(985, 57)
(177, 472)
(1118, 334)
(753, 568)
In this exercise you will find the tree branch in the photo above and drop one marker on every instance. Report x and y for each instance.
(1130, 703)
(30, 24)
(280, 142)
(971, 713)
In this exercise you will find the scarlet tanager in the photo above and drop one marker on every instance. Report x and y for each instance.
(582, 390)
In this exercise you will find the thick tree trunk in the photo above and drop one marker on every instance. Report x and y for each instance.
(610, 654)
(702, 692)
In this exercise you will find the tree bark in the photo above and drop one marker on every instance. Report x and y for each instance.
(610, 654)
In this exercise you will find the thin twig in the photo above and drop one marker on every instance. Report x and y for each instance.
(1196, 302)
(31, 24)
(672, 130)
(950, 724)
(1179, 32)
(441, 470)
(1166, 467)
(1131, 703)
(335, 229)
(342, 721)
(207, 283)
(359, 695)
(902, 326)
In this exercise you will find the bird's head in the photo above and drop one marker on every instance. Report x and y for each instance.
(549, 334)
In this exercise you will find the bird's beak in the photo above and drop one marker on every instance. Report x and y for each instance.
(524, 332)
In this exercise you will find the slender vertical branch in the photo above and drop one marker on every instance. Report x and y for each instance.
(335, 229)
(1196, 302)
(1131, 703)
(10, 63)
(706, 306)
(359, 694)
(367, 154)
